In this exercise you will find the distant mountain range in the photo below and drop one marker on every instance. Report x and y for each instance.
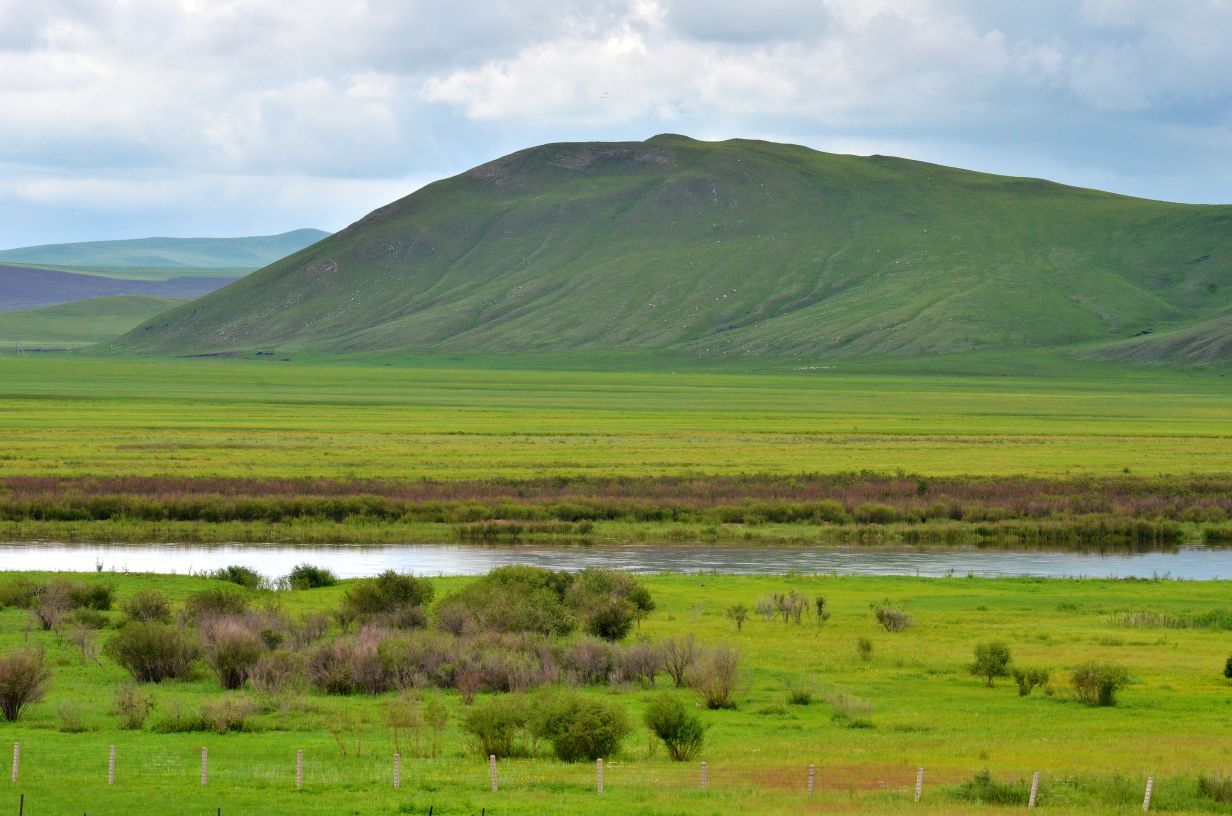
(736, 248)
(184, 253)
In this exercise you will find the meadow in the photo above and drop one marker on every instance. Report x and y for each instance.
(917, 706)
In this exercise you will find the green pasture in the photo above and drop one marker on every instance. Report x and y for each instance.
(1173, 720)
(73, 415)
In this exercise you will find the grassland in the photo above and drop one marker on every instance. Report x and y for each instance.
(1171, 722)
(83, 322)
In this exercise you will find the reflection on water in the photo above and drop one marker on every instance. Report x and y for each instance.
(1191, 563)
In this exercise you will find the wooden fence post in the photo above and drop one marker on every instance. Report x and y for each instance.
(705, 776)
(812, 776)
(1146, 800)
(492, 770)
(111, 765)
(919, 784)
(299, 768)
(16, 759)
(1034, 790)
(397, 771)
(599, 776)
(205, 765)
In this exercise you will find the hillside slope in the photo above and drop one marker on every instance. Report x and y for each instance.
(208, 253)
(81, 323)
(24, 287)
(736, 247)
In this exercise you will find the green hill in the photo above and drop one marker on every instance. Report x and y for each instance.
(80, 323)
(167, 253)
(729, 248)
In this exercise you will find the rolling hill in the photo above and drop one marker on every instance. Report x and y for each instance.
(24, 287)
(730, 248)
(77, 324)
(184, 253)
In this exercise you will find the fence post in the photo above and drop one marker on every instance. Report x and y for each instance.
(16, 759)
(599, 776)
(812, 775)
(397, 771)
(1146, 800)
(299, 768)
(705, 776)
(111, 765)
(919, 784)
(205, 765)
(492, 770)
(1034, 790)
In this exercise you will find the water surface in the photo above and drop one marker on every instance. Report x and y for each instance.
(1189, 562)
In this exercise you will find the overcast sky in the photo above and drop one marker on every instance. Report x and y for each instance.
(128, 118)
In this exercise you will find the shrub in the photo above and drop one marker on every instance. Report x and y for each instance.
(1028, 678)
(349, 665)
(640, 663)
(892, 619)
(590, 660)
(179, 720)
(230, 649)
(737, 614)
(19, 593)
(850, 710)
(1227, 669)
(235, 574)
(864, 647)
(992, 660)
(608, 602)
(132, 705)
(800, 691)
(148, 606)
(679, 655)
(1216, 788)
(716, 677)
(1096, 684)
(152, 652)
(88, 618)
(72, 718)
(515, 598)
(227, 714)
(671, 720)
(387, 594)
(217, 601)
(580, 728)
(90, 596)
(984, 789)
(23, 680)
(498, 727)
(307, 576)
(277, 672)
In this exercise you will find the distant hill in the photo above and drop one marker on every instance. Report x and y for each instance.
(729, 248)
(76, 324)
(29, 287)
(208, 253)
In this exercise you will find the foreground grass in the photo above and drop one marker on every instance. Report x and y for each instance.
(1172, 721)
(254, 418)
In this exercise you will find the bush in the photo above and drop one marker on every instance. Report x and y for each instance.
(591, 661)
(23, 680)
(218, 601)
(671, 720)
(892, 619)
(349, 665)
(90, 596)
(277, 672)
(387, 594)
(984, 789)
(716, 677)
(498, 727)
(992, 660)
(1216, 788)
(230, 649)
(864, 647)
(580, 728)
(1096, 684)
(511, 599)
(227, 714)
(245, 577)
(640, 663)
(737, 614)
(608, 602)
(148, 606)
(307, 576)
(1027, 679)
(1227, 669)
(800, 691)
(179, 720)
(850, 710)
(679, 655)
(132, 705)
(152, 652)
(72, 718)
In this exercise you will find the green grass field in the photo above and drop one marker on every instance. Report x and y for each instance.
(1171, 722)
(69, 415)
(83, 322)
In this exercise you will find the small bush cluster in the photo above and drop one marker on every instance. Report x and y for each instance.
(673, 722)
(891, 618)
(153, 652)
(1097, 684)
(23, 680)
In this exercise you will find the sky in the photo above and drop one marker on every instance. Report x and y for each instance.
(132, 118)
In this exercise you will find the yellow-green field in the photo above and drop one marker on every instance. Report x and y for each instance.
(1171, 722)
(271, 418)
